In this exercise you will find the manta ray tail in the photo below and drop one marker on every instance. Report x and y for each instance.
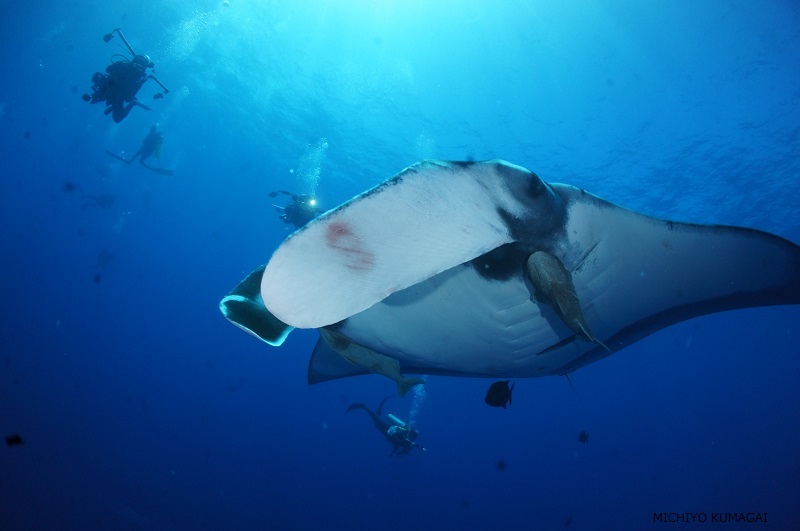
(569, 380)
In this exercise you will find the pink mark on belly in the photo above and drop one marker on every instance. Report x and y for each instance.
(339, 236)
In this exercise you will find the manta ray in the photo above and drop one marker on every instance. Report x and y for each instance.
(483, 269)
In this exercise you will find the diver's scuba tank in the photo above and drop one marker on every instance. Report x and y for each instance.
(396, 421)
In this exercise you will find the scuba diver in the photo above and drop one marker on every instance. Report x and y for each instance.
(402, 436)
(122, 80)
(300, 211)
(151, 145)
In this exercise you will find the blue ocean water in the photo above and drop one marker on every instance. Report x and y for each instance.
(141, 407)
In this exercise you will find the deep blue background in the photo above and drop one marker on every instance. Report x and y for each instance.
(142, 408)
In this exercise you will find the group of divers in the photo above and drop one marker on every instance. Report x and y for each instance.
(119, 87)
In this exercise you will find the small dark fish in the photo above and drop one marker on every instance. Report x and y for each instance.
(499, 394)
(14, 440)
(568, 521)
(501, 464)
(583, 437)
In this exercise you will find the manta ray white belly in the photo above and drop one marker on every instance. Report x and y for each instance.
(481, 327)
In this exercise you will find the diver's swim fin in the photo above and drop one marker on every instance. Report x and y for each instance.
(118, 157)
(380, 407)
(160, 171)
(352, 407)
(140, 104)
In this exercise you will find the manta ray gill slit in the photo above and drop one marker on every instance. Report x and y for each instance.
(340, 236)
